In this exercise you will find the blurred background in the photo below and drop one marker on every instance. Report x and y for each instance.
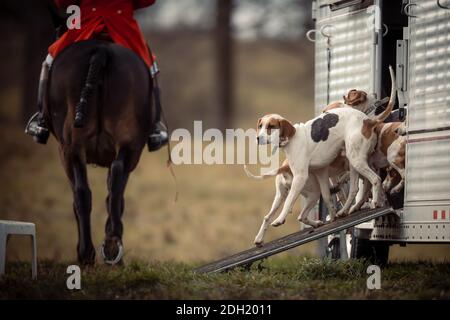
(223, 62)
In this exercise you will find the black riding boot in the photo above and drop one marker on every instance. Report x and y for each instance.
(36, 126)
(159, 137)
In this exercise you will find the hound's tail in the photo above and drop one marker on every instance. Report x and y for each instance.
(392, 98)
(97, 63)
(284, 168)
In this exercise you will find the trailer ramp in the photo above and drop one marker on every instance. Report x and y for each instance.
(293, 240)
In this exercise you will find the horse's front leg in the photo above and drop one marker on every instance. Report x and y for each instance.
(112, 249)
(76, 172)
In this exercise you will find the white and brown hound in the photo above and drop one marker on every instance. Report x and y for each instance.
(389, 153)
(310, 192)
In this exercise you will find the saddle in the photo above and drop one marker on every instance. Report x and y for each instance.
(103, 36)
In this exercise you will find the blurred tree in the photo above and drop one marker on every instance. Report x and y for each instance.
(32, 20)
(285, 19)
(224, 51)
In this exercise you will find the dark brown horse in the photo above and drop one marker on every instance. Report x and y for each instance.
(115, 89)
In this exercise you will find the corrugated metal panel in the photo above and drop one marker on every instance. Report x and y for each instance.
(352, 63)
(429, 67)
(428, 170)
(428, 162)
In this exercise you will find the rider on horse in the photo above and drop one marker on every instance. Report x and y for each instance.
(100, 19)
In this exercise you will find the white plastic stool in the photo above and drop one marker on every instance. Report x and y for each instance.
(17, 228)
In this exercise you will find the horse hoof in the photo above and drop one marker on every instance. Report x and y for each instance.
(112, 251)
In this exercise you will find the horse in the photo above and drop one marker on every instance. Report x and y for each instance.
(111, 87)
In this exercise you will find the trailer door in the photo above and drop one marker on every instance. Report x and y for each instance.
(347, 49)
(347, 56)
(427, 192)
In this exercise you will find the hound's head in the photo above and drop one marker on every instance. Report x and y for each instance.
(359, 100)
(392, 179)
(273, 128)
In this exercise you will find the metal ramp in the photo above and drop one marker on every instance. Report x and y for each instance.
(293, 240)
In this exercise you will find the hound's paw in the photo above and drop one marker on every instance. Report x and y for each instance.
(395, 191)
(258, 243)
(354, 209)
(278, 222)
(312, 223)
(378, 204)
(341, 213)
(317, 223)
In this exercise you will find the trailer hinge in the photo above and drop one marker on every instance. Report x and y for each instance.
(402, 75)
(314, 10)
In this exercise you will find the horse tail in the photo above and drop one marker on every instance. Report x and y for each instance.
(117, 171)
(97, 62)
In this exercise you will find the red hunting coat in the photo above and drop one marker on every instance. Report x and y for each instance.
(114, 17)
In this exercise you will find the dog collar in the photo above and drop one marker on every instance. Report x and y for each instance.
(376, 104)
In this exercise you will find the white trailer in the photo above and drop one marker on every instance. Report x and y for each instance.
(355, 42)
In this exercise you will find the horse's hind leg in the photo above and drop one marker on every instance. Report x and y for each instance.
(76, 172)
(117, 180)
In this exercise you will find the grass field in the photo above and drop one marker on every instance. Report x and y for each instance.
(281, 278)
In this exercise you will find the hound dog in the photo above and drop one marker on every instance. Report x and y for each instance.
(389, 153)
(309, 146)
(310, 192)
(357, 99)
(393, 178)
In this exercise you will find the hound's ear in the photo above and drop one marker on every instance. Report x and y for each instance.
(350, 97)
(355, 97)
(258, 123)
(287, 130)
